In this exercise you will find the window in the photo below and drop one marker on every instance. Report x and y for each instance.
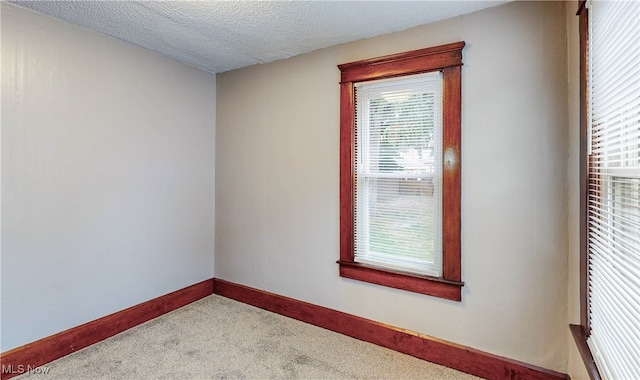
(400, 171)
(609, 335)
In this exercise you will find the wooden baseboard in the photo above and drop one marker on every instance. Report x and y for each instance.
(48, 349)
(435, 350)
(461, 358)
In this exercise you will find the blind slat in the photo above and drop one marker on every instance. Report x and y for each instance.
(613, 199)
(398, 179)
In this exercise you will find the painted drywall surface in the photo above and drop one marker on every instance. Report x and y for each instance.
(107, 176)
(277, 183)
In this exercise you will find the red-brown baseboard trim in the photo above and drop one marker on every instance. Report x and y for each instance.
(435, 350)
(48, 349)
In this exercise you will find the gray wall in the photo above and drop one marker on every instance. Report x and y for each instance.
(107, 176)
(107, 180)
(277, 183)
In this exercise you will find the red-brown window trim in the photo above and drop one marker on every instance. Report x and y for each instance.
(581, 332)
(445, 58)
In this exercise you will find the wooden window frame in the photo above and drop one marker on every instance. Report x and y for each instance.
(582, 331)
(448, 60)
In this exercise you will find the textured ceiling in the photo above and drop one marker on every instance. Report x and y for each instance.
(217, 36)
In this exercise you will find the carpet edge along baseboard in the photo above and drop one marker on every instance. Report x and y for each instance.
(465, 359)
(461, 358)
(33, 355)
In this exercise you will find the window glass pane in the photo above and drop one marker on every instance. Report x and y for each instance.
(614, 188)
(398, 180)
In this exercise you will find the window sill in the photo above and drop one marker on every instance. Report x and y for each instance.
(581, 341)
(433, 286)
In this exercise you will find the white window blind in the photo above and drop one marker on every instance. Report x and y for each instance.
(398, 173)
(614, 188)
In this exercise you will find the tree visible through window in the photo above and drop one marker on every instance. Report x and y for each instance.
(400, 171)
(398, 176)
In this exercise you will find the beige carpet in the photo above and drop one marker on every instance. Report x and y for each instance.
(218, 338)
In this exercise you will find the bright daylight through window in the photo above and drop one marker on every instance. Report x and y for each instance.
(400, 170)
(609, 335)
(398, 173)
